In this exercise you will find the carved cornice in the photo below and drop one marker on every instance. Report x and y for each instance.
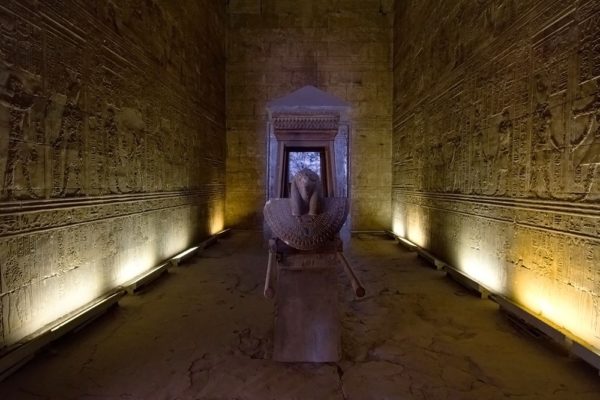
(305, 121)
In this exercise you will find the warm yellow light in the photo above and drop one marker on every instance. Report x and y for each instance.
(398, 227)
(79, 288)
(84, 311)
(481, 272)
(108, 258)
(217, 222)
(563, 305)
(416, 226)
(135, 267)
(415, 234)
(531, 268)
(175, 239)
(546, 308)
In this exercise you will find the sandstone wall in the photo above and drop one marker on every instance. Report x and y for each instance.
(496, 147)
(112, 146)
(278, 46)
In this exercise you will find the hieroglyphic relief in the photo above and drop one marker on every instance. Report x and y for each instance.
(64, 122)
(519, 105)
(585, 147)
(105, 249)
(20, 153)
(524, 83)
(21, 143)
(112, 146)
(585, 134)
(550, 84)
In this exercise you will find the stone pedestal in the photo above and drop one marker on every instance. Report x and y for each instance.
(307, 321)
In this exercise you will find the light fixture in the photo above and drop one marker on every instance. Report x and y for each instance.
(467, 281)
(222, 233)
(572, 343)
(88, 313)
(144, 279)
(184, 254)
(575, 345)
(25, 350)
(179, 258)
(405, 242)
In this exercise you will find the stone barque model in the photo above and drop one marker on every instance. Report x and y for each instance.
(301, 276)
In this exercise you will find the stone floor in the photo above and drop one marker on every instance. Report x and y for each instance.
(204, 332)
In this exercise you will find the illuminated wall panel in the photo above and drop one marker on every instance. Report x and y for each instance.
(112, 146)
(496, 149)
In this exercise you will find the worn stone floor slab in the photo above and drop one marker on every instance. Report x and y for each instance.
(205, 332)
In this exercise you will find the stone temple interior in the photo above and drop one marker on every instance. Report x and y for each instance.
(465, 135)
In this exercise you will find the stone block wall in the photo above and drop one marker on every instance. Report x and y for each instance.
(112, 146)
(341, 47)
(496, 147)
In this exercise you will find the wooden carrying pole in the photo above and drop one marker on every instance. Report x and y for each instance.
(357, 286)
(269, 290)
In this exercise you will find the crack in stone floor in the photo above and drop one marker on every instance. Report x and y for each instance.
(205, 332)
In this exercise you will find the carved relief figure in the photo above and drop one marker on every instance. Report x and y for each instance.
(477, 159)
(112, 147)
(67, 145)
(505, 132)
(497, 154)
(586, 145)
(130, 132)
(15, 103)
(124, 149)
(450, 149)
(546, 143)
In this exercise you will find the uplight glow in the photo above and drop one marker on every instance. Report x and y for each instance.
(563, 306)
(416, 235)
(416, 226)
(81, 286)
(398, 227)
(539, 272)
(135, 266)
(217, 222)
(177, 238)
(482, 272)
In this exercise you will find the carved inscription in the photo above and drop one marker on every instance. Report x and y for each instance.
(508, 189)
(112, 146)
